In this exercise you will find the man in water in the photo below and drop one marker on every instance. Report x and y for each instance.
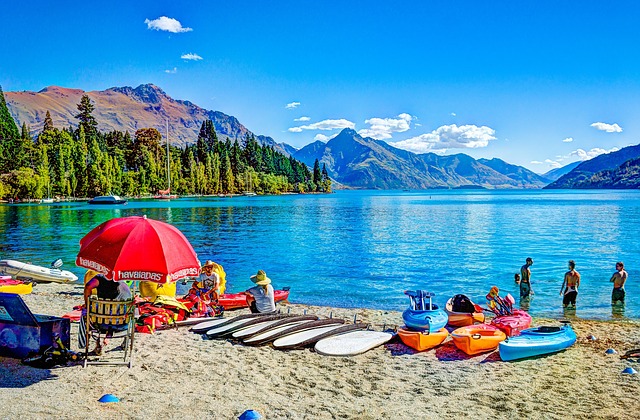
(572, 281)
(525, 279)
(618, 279)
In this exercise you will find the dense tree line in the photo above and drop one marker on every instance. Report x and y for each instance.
(84, 162)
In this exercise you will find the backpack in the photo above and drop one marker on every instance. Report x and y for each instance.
(461, 303)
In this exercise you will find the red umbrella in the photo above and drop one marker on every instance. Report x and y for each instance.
(139, 249)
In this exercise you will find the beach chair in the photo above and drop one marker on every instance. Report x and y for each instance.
(113, 319)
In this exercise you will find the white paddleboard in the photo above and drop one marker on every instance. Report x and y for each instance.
(265, 336)
(204, 326)
(229, 327)
(352, 343)
(302, 336)
(244, 332)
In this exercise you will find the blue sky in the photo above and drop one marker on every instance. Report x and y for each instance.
(536, 83)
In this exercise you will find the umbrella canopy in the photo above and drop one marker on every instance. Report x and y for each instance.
(139, 249)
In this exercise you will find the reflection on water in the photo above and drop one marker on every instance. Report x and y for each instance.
(364, 248)
(617, 310)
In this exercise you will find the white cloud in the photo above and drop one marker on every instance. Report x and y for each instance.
(568, 140)
(292, 105)
(303, 119)
(586, 155)
(453, 114)
(164, 23)
(536, 162)
(324, 125)
(191, 56)
(609, 128)
(324, 138)
(449, 137)
(382, 128)
(172, 71)
(553, 163)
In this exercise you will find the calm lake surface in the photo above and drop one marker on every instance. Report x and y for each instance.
(364, 248)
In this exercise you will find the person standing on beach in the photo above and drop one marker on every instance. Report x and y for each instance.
(618, 279)
(525, 279)
(570, 285)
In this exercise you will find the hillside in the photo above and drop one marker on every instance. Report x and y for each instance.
(366, 163)
(582, 176)
(127, 109)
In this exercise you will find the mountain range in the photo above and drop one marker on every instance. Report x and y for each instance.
(351, 160)
(619, 169)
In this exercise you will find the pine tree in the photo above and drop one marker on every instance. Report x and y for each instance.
(87, 120)
(326, 181)
(48, 122)
(317, 175)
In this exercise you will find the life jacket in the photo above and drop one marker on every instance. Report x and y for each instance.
(152, 290)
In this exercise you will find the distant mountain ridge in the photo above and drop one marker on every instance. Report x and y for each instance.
(127, 109)
(367, 163)
(610, 170)
(351, 160)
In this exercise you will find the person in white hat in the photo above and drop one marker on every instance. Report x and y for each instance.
(260, 297)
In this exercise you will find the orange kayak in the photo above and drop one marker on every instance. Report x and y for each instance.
(475, 339)
(422, 340)
(461, 319)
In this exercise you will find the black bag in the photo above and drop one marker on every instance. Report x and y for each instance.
(461, 303)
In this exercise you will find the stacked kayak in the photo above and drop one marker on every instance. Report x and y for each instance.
(537, 341)
(461, 311)
(475, 339)
(422, 315)
(422, 340)
(514, 323)
(18, 287)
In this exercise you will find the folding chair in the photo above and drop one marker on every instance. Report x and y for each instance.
(116, 318)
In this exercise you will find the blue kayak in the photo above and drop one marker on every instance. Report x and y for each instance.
(422, 315)
(537, 341)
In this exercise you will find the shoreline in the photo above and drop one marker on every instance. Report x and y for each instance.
(221, 379)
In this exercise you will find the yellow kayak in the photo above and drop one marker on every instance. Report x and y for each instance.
(9, 285)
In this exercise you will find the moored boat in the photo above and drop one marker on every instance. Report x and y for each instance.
(18, 287)
(479, 338)
(423, 315)
(422, 340)
(20, 270)
(537, 341)
(107, 199)
(461, 311)
(514, 323)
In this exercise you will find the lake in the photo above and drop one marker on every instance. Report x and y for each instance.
(365, 248)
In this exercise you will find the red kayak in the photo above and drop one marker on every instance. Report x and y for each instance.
(512, 324)
(239, 300)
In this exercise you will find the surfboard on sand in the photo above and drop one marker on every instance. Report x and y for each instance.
(245, 333)
(268, 336)
(310, 336)
(208, 323)
(351, 343)
(227, 329)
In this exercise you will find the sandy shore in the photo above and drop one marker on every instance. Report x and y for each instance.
(177, 374)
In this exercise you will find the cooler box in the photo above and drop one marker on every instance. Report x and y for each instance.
(23, 333)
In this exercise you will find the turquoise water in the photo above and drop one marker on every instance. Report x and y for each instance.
(364, 248)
